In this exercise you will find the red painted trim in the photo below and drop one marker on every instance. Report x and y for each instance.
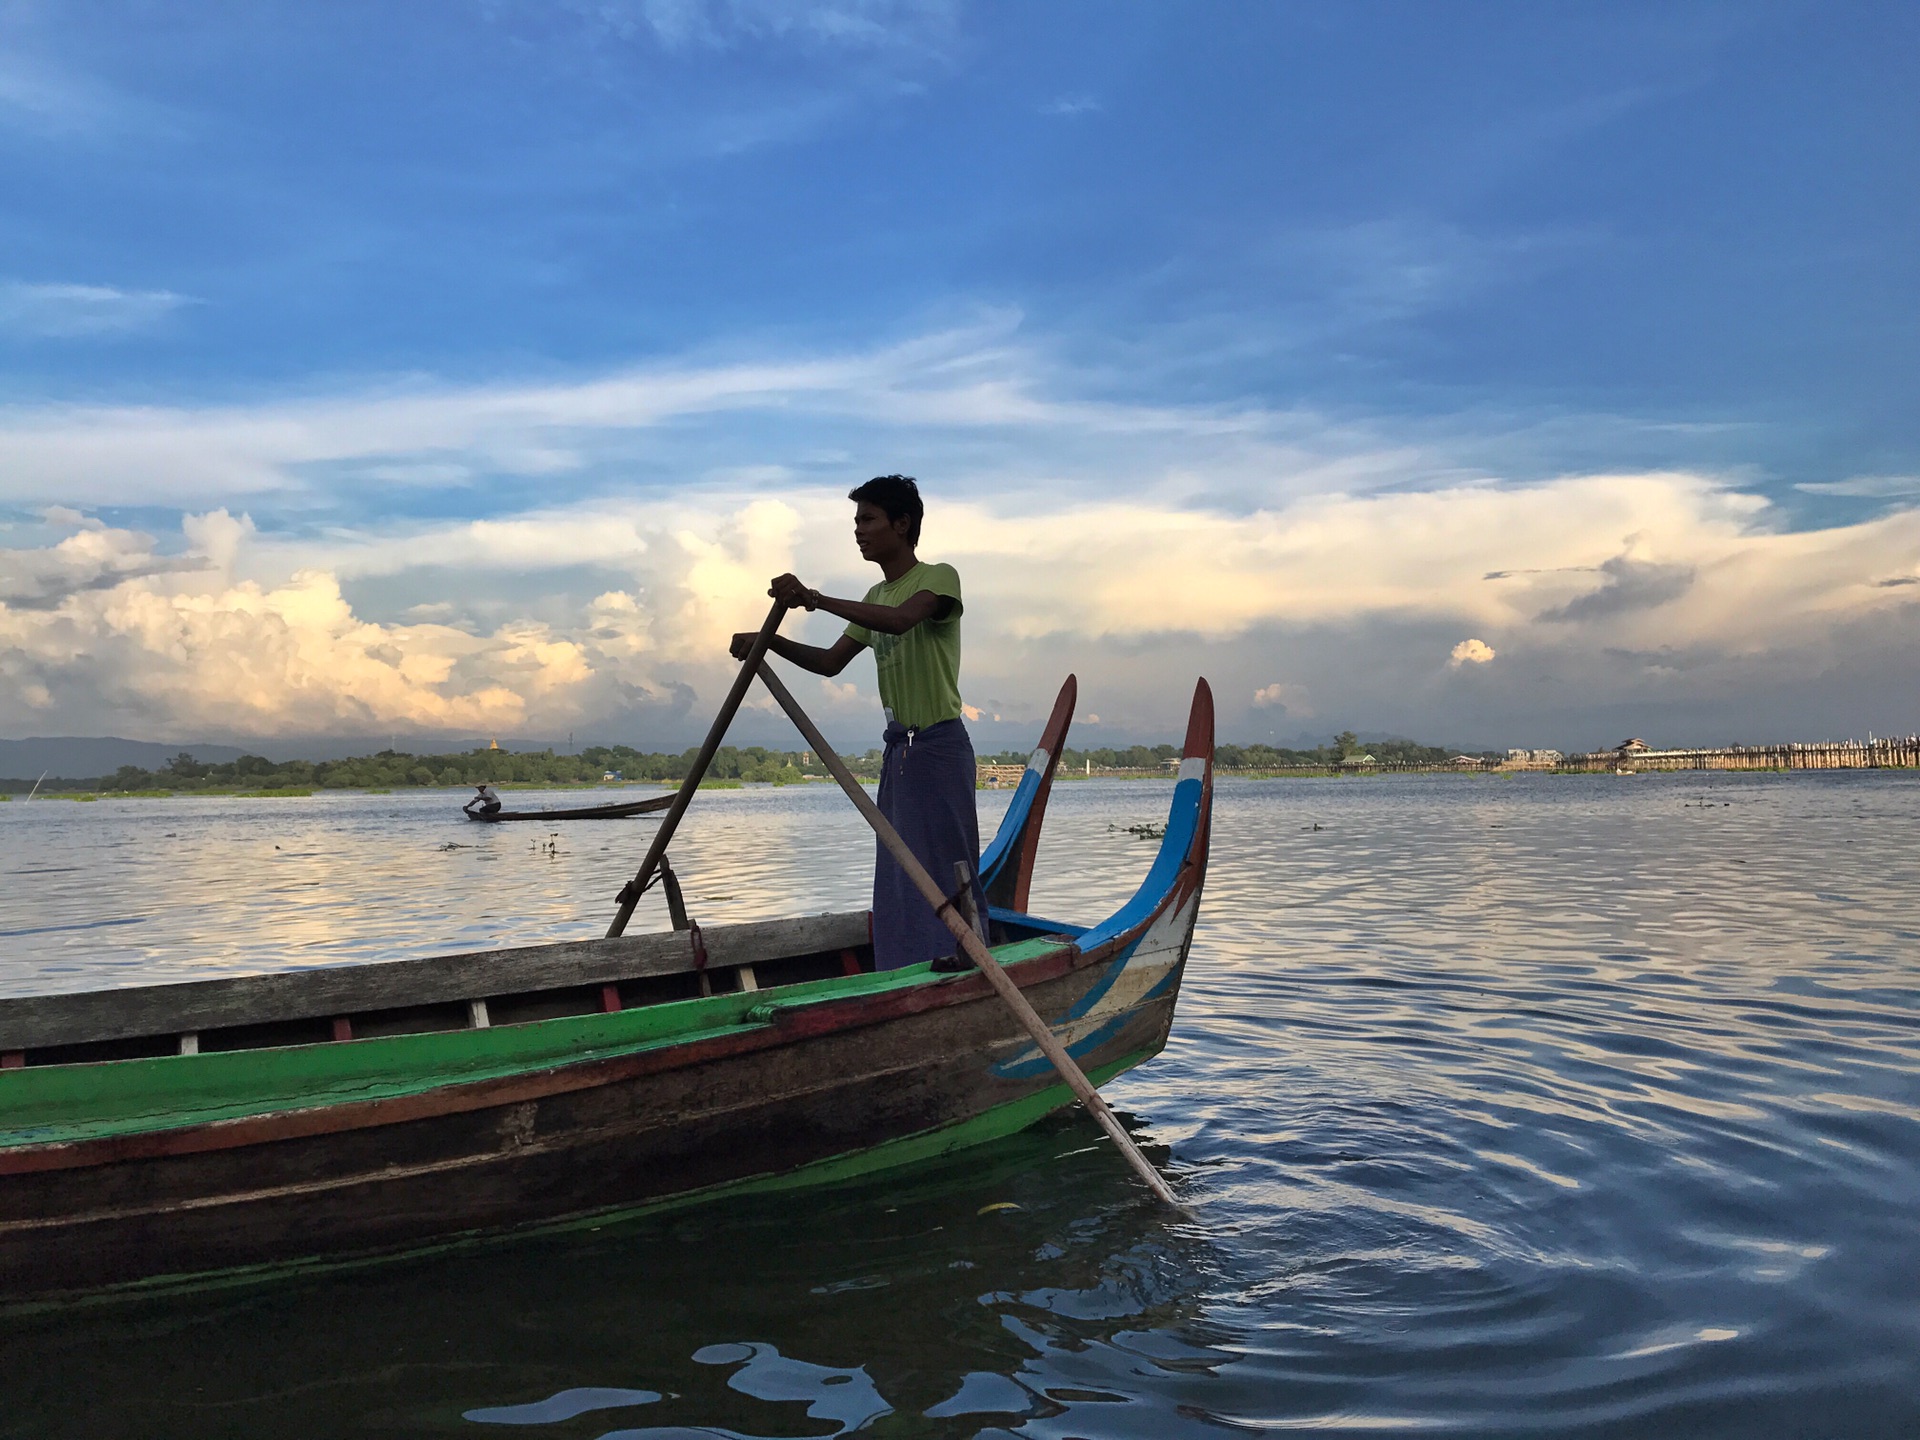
(342, 1027)
(849, 963)
(610, 999)
(1200, 724)
(13, 1060)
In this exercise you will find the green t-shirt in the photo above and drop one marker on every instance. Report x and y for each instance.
(920, 670)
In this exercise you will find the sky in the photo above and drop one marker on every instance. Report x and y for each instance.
(1489, 374)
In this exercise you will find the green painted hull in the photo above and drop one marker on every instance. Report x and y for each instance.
(908, 1150)
(59, 1104)
(205, 1163)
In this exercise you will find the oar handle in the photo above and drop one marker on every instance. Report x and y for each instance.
(963, 933)
(630, 896)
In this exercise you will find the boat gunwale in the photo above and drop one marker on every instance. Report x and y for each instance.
(72, 1017)
(773, 1022)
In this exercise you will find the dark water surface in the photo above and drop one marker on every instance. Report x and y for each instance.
(1541, 1106)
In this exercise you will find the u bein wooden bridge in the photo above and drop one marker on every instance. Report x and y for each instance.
(1635, 756)
(1627, 758)
(1893, 753)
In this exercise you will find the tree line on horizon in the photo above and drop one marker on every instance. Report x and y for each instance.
(397, 769)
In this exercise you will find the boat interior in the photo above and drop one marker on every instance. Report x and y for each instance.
(513, 986)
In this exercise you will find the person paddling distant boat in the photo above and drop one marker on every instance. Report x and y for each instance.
(911, 621)
(485, 801)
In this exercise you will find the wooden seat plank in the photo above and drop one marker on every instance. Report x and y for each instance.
(36, 1021)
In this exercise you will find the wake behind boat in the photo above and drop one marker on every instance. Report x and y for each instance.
(586, 812)
(175, 1130)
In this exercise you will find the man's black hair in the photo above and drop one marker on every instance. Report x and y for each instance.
(898, 495)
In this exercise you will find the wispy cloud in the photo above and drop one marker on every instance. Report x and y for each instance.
(37, 97)
(717, 24)
(1070, 105)
(1869, 487)
(1391, 268)
(42, 98)
(67, 311)
(989, 400)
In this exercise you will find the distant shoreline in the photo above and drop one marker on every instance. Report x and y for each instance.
(86, 796)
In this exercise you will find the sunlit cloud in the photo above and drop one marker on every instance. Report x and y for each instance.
(233, 631)
(634, 519)
(1287, 699)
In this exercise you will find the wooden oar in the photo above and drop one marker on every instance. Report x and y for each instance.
(630, 896)
(968, 941)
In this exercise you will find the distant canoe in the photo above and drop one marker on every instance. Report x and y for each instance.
(589, 812)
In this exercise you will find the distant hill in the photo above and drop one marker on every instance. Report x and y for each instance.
(78, 757)
(74, 757)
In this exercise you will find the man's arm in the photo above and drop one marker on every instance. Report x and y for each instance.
(828, 661)
(886, 619)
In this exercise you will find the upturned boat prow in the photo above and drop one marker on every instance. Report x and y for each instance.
(166, 1132)
(1006, 869)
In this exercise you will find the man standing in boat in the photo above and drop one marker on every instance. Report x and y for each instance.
(911, 621)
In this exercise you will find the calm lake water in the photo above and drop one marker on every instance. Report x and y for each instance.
(1532, 1106)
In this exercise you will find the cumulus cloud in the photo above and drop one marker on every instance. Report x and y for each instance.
(1288, 699)
(96, 559)
(102, 628)
(226, 630)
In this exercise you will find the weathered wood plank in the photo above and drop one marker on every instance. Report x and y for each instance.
(35, 1021)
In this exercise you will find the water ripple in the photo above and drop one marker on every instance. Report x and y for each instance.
(1543, 1106)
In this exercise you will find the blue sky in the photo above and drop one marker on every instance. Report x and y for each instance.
(364, 280)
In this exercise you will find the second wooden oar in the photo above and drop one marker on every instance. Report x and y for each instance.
(630, 896)
(963, 934)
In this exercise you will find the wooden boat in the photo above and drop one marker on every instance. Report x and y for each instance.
(157, 1133)
(587, 812)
